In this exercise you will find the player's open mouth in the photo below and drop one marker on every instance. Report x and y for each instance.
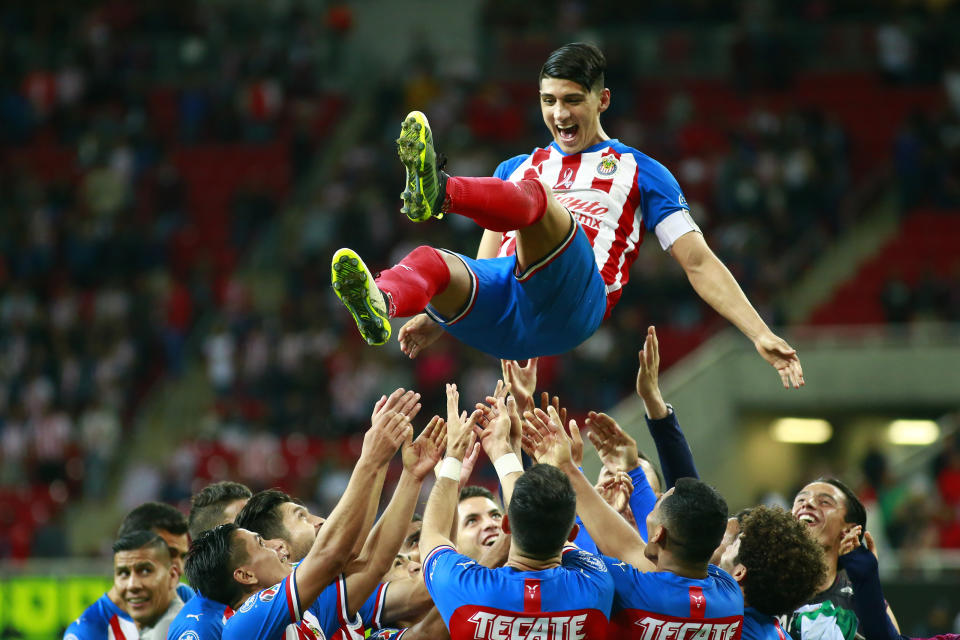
(807, 519)
(490, 539)
(137, 602)
(569, 133)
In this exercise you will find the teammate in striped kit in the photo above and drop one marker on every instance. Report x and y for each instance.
(562, 227)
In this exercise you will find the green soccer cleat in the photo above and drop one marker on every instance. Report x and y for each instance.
(354, 285)
(426, 182)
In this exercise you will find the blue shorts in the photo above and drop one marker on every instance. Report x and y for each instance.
(550, 308)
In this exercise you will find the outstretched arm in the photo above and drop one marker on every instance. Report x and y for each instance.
(442, 505)
(676, 460)
(387, 536)
(862, 567)
(609, 530)
(714, 283)
(331, 549)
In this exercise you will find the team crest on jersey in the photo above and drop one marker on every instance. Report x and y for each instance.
(607, 166)
(267, 594)
(252, 600)
(682, 201)
(189, 635)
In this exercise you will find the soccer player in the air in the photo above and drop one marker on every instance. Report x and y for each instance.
(271, 598)
(143, 600)
(215, 504)
(778, 565)
(544, 591)
(667, 581)
(830, 510)
(562, 226)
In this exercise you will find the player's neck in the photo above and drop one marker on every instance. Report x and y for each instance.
(246, 594)
(521, 562)
(831, 575)
(667, 562)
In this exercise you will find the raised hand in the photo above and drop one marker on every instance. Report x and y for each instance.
(648, 383)
(850, 539)
(469, 463)
(382, 440)
(615, 488)
(783, 357)
(617, 450)
(460, 434)
(546, 401)
(403, 402)
(545, 439)
(522, 381)
(418, 333)
(421, 455)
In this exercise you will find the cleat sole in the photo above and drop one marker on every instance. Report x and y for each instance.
(351, 283)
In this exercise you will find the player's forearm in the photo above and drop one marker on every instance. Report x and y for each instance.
(331, 549)
(489, 244)
(676, 459)
(368, 520)
(611, 533)
(714, 283)
(387, 536)
(438, 515)
(406, 599)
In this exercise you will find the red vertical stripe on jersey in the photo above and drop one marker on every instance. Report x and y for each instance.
(569, 167)
(538, 158)
(117, 630)
(698, 603)
(780, 632)
(531, 595)
(604, 184)
(628, 218)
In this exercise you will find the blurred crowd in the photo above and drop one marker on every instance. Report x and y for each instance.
(107, 263)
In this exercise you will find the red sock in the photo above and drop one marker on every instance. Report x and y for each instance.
(414, 281)
(497, 204)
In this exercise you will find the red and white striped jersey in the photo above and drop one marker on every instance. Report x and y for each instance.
(616, 193)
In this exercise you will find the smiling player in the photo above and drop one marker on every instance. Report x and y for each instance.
(562, 226)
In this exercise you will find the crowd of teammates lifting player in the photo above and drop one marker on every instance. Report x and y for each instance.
(641, 553)
(638, 554)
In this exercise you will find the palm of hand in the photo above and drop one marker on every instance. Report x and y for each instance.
(420, 457)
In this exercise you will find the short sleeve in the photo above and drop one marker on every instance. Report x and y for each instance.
(507, 167)
(665, 209)
(372, 609)
(449, 579)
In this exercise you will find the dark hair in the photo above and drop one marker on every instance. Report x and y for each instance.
(475, 491)
(135, 540)
(207, 506)
(151, 516)
(742, 515)
(784, 563)
(854, 511)
(211, 561)
(542, 511)
(580, 62)
(695, 517)
(262, 514)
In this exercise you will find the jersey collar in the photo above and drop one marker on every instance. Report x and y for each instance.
(596, 147)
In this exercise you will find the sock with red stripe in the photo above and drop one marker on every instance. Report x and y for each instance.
(495, 204)
(410, 285)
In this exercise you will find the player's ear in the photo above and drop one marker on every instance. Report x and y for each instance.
(604, 99)
(174, 575)
(505, 524)
(657, 536)
(739, 573)
(244, 575)
(574, 531)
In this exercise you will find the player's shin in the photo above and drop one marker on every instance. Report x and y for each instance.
(412, 283)
(495, 204)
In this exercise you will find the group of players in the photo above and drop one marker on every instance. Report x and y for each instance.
(636, 555)
(554, 557)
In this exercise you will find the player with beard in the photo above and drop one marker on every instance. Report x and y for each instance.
(830, 510)
(563, 225)
(215, 504)
(778, 565)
